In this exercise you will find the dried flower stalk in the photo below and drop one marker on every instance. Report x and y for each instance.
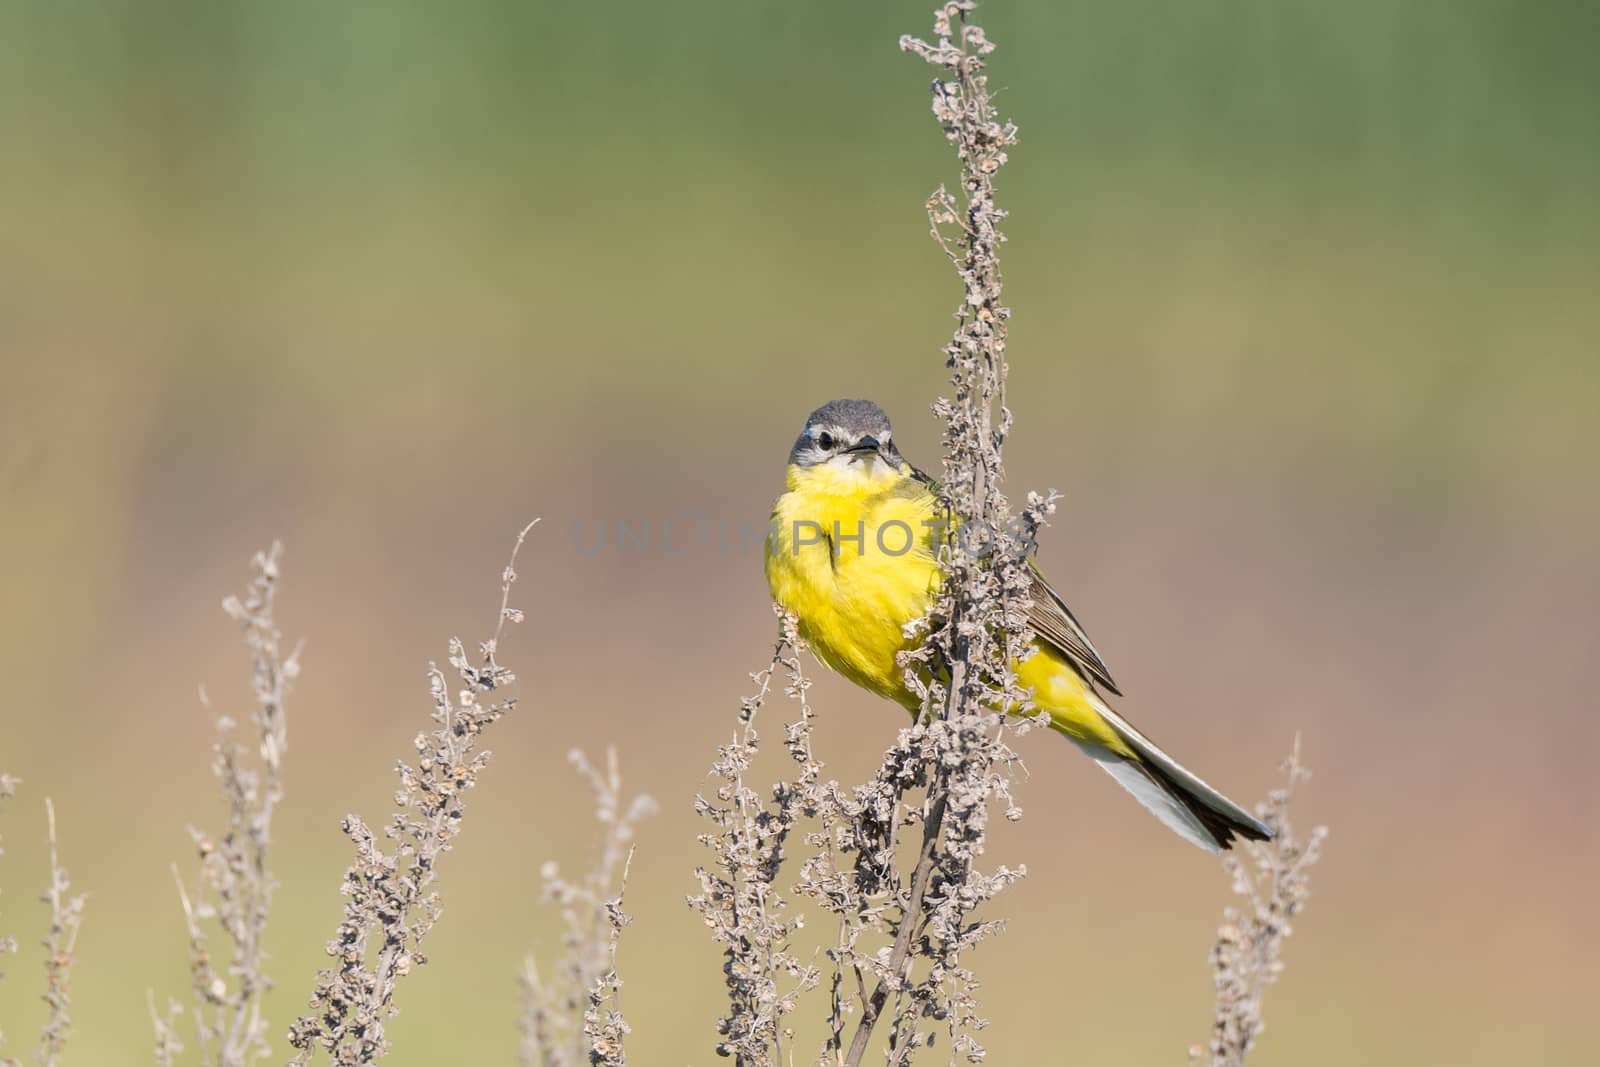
(739, 899)
(978, 628)
(66, 916)
(1247, 955)
(604, 1028)
(61, 939)
(8, 943)
(168, 1046)
(573, 1015)
(901, 941)
(234, 890)
(391, 900)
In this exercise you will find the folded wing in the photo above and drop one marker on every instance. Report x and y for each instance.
(1054, 624)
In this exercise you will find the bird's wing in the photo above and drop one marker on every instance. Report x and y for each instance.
(1055, 625)
(1052, 621)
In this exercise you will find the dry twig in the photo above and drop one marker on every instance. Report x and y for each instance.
(8, 943)
(235, 885)
(1247, 955)
(573, 1015)
(940, 779)
(739, 899)
(391, 900)
(603, 1025)
(61, 939)
(66, 916)
(978, 629)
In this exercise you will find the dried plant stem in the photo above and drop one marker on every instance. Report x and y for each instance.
(603, 1025)
(575, 1014)
(165, 1024)
(739, 899)
(978, 628)
(1274, 879)
(944, 772)
(235, 885)
(901, 950)
(8, 943)
(66, 916)
(391, 900)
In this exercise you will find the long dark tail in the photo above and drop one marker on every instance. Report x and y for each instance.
(1221, 824)
(1173, 793)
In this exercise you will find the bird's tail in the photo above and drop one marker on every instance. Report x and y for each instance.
(1171, 792)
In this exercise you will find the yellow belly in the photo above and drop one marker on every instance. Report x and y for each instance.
(855, 571)
(854, 559)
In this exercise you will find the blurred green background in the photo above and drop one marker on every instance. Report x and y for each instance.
(1305, 330)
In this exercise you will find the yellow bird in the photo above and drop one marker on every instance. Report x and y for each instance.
(851, 551)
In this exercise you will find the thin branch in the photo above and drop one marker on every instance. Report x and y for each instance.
(66, 916)
(1274, 878)
(948, 768)
(977, 630)
(901, 951)
(168, 1047)
(557, 1028)
(391, 903)
(233, 891)
(8, 943)
(739, 899)
(603, 1025)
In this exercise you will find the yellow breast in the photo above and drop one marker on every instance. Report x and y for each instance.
(850, 551)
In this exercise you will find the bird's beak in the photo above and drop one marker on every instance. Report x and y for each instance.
(867, 446)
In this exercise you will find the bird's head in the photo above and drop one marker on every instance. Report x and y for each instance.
(846, 440)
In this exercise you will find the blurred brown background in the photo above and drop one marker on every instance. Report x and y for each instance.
(1305, 331)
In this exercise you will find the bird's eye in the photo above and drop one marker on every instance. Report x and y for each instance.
(825, 441)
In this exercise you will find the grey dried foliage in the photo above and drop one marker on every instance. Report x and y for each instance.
(902, 937)
(8, 943)
(603, 1025)
(391, 899)
(61, 938)
(168, 1046)
(573, 1016)
(739, 899)
(1274, 879)
(978, 629)
(8, 789)
(233, 892)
